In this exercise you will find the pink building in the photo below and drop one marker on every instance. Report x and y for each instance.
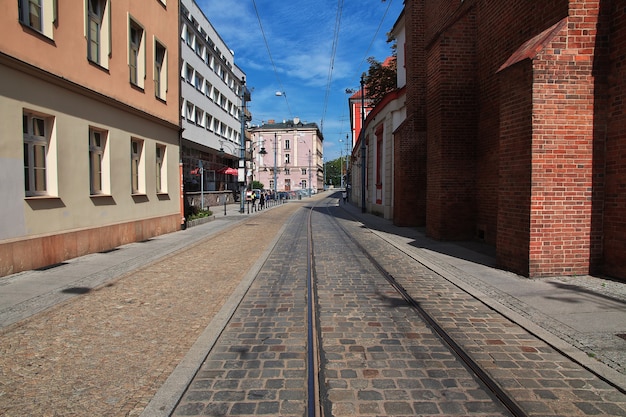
(294, 156)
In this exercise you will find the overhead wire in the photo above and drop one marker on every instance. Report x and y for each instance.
(382, 20)
(331, 66)
(269, 53)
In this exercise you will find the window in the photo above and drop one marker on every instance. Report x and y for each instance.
(188, 73)
(98, 31)
(39, 15)
(303, 184)
(287, 158)
(160, 169)
(303, 170)
(287, 144)
(199, 117)
(136, 54)
(97, 166)
(30, 13)
(190, 111)
(36, 130)
(199, 82)
(137, 180)
(287, 184)
(287, 171)
(160, 70)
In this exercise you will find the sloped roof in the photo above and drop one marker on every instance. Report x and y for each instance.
(533, 46)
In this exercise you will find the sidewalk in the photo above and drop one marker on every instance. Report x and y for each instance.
(27, 293)
(583, 317)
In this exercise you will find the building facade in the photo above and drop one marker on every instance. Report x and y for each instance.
(89, 143)
(515, 130)
(213, 92)
(293, 157)
(375, 145)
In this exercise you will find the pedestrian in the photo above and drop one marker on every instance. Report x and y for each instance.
(262, 201)
(344, 195)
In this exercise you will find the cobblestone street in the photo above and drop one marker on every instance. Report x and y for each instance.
(107, 352)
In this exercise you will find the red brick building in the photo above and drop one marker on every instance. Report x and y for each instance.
(516, 130)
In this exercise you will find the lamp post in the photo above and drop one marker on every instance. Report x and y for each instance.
(341, 163)
(275, 167)
(363, 210)
(241, 174)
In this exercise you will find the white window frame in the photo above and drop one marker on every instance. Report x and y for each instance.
(38, 15)
(137, 167)
(160, 70)
(136, 53)
(161, 169)
(99, 170)
(98, 31)
(39, 165)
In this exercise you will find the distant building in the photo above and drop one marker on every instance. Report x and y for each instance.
(211, 105)
(516, 130)
(89, 122)
(298, 151)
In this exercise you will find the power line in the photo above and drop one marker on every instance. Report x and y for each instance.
(269, 53)
(331, 66)
(382, 20)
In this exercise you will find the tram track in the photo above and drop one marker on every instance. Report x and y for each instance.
(315, 338)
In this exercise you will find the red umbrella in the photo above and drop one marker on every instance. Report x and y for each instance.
(228, 171)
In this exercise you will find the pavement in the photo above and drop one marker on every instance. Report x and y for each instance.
(583, 317)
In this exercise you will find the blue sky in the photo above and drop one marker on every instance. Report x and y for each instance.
(300, 36)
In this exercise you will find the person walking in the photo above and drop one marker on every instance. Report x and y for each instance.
(344, 196)
(262, 201)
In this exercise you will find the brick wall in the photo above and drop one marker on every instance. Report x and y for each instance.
(515, 159)
(410, 138)
(530, 158)
(451, 87)
(615, 204)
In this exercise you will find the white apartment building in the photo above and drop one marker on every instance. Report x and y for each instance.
(211, 105)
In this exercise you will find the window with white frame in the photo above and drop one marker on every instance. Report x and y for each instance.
(287, 144)
(36, 129)
(190, 111)
(160, 70)
(303, 170)
(136, 54)
(161, 174)
(287, 158)
(188, 73)
(199, 117)
(97, 162)
(98, 31)
(137, 179)
(209, 122)
(303, 184)
(38, 15)
(199, 82)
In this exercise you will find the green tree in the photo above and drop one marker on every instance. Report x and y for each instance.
(380, 79)
(333, 172)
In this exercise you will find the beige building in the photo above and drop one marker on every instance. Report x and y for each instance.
(89, 127)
